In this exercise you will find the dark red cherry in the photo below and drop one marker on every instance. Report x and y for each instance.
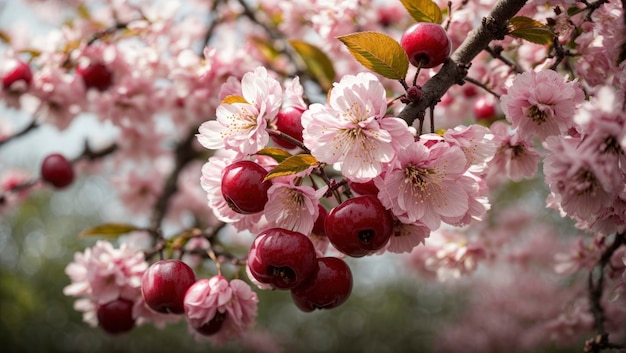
(243, 187)
(116, 317)
(328, 288)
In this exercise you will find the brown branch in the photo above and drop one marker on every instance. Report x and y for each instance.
(184, 154)
(33, 125)
(596, 290)
(492, 27)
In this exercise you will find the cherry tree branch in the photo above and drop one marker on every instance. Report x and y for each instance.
(596, 291)
(184, 154)
(32, 126)
(492, 27)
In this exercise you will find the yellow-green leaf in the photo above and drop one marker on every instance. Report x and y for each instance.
(233, 99)
(292, 165)
(378, 52)
(266, 49)
(111, 230)
(317, 63)
(4, 37)
(278, 154)
(423, 10)
(531, 30)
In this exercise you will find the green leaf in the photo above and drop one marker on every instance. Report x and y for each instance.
(531, 30)
(278, 154)
(378, 52)
(317, 62)
(265, 48)
(423, 10)
(292, 165)
(111, 230)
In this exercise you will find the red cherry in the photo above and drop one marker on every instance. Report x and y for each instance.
(243, 187)
(214, 325)
(367, 188)
(359, 226)
(484, 109)
(95, 75)
(164, 285)
(289, 121)
(57, 170)
(282, 258)
(17, 72)
(116, 316)
(328, 288)
(426, 44)
(319, 227)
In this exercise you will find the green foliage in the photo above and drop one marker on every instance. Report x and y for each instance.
(531, 30)
(292, 165)
(423, 10)
(317, 62)
(378, 52)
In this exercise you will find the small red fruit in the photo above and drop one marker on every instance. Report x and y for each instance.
(426, 44)
(328, 288)
(116, 317)
(214, 325)
(17, 77)
(95, 75)
(164, 285)
(367, 188)
(282, 258)
(484, 109)
(243, 187)
(57, 170)
(319, 227)
(359, 226)
(289, 121)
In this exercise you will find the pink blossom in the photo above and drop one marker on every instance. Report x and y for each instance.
(406, 237)
(581, 186)
(104, 273)
(234, 301)
(475, 141)
(353, 130)
(293, 207)
(242, 126)
(515, 158)
(541, 103)
(424, 184)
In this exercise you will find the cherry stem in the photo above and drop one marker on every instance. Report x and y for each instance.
(213, 257)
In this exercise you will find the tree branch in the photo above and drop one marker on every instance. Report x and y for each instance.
(492, 27)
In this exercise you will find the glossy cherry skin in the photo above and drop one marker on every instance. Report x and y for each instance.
(116, 317)
(57, 170)
(95, 75)
(19, 71)
(282, 258)
(484, 109)
(164, 285)
(319, 227)
(288, 121)
(214, 325)
(426, 44)
(367, 188)
(359, 226)
(243, 187)
(328, 288)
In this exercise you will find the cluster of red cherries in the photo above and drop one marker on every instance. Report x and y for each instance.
(278, 258)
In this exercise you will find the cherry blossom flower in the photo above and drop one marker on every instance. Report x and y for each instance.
(476, 142)
(424, 184)
(293, 207)
(541, 103)
(581, 186)
(241, 126)
(405, 237)
(353, 130)
(104, 273)
(515, 158)
(233, 302)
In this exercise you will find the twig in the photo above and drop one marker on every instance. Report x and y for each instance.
(33, 125)
(494, 26)
(596, 289)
